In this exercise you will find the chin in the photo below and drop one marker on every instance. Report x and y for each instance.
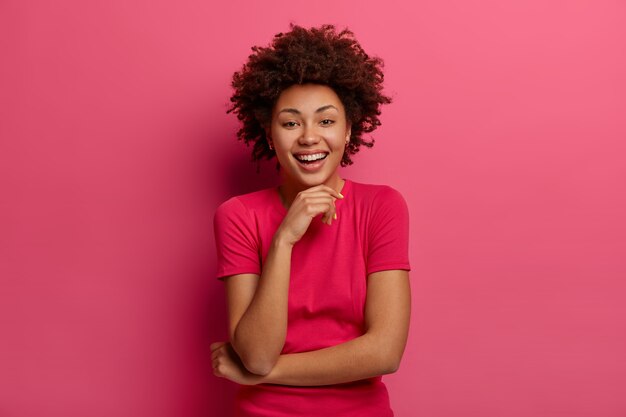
(310, 180)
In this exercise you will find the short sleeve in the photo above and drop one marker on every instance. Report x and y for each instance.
(388, 232)
(236, 240)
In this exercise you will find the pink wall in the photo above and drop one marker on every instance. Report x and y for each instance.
(507, 138)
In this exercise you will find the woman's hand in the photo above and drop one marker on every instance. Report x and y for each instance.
(226, 364)
(305, 207)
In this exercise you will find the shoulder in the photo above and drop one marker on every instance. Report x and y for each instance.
(242, 205)
(377, 195)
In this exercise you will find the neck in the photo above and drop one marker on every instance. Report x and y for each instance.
(288, 191)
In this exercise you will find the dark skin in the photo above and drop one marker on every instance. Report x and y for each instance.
(258, 307)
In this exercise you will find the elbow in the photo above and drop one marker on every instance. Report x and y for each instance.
(259, 360)
(390, 359)
(255, 363)
(259, 367)
(385, 355)
(391, 363)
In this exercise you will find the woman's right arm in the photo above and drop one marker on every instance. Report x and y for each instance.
(258, 310)
(258, 306)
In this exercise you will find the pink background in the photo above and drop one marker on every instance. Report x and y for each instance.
(507, 138)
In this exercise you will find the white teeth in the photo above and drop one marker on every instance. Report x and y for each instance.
(313, 157)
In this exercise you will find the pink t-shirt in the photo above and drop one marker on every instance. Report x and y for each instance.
(328, 282)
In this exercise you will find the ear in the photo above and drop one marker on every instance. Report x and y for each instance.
(348, 133)
(268, 138)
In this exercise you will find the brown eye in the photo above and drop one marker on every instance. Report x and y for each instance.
(327, 122)
(290, 124)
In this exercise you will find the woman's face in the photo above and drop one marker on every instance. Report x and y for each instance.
(309, 132)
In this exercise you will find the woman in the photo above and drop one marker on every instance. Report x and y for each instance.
(316, 270)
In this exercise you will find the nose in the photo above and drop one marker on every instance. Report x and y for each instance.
(309, 136)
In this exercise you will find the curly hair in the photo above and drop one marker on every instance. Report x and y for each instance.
(316, 55)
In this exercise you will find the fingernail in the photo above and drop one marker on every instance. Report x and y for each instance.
(335, 216)
(340, 195)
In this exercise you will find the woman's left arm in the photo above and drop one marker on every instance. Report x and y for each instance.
(377, 352)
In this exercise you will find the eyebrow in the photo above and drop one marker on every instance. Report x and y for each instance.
(321, 109)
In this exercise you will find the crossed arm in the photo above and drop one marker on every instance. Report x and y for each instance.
(258, 323)
(377, 352)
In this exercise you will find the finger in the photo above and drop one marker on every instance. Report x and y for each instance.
(318, 200)
(217, 345)
(314, 196)
(333, 192)
(217, 352)
(332, 213)
(323, 190)
(326, 189)
(328, 215)
(315, 210)
(217, 366)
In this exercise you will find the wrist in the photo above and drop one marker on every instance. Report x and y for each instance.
(280, 241)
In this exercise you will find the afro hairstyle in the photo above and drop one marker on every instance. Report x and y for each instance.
(315, 55)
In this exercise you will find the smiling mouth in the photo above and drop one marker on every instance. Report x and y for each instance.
(311, 159)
